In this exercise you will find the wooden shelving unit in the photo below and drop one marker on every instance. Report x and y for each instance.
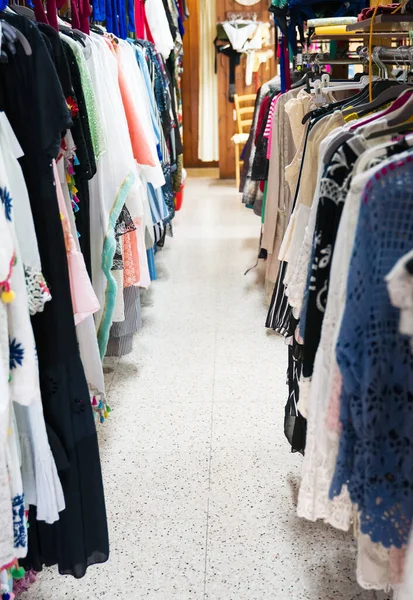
(389, 24)
(360, 37)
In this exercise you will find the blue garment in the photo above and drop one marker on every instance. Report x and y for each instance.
(151, 264)
(116, 21)
(112, 17)
(99, 10)
(290, 15)
(375, 457)
(131, 16)
(168, 194)
(180, 23)
(159, 210)
(123, 26)
(140, 57)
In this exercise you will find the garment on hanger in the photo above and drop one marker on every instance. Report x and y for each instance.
(91, 155)
(239, 36)
(336, 218)
(234, 58)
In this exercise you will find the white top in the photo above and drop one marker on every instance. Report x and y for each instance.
(159, 26)
(23, 219)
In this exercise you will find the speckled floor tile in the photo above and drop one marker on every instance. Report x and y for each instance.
(246, 426)
(258, 549)
(200, 484)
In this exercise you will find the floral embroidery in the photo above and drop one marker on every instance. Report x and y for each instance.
(73, 107)
(16, 354)
(6, 198)
(19, 522)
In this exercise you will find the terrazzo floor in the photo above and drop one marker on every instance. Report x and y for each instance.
(200, 484)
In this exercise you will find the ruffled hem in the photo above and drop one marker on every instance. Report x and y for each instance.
(42, 482)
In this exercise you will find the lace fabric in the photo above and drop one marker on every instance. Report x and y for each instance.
(406, 589)
(95, 121)
(37, 290)
(322, 440)
(375, 458)
(334, 186)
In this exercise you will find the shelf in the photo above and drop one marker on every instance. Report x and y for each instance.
(384, 23)
(360, 37)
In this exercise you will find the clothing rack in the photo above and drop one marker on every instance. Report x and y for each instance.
(403, 55)
(321, 59)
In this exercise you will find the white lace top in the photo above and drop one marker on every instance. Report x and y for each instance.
(377, 568)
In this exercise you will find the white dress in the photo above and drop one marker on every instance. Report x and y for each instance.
(112, 184)
(40, 480)
(7, 553)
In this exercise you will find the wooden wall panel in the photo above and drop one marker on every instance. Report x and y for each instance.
(226, 109)
(190, 87)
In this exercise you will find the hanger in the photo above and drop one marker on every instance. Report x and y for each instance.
(405, 112)
(352, 102)
(23, 11)
(391, 91)
(398, 129)
(9, 37)
(75, 34)
(328, 85)
(390, 112)
(100, 31)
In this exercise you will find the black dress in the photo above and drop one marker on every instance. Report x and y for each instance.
(69, 76)
(32, 98)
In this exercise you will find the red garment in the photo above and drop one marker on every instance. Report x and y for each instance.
(261, 116)
(85, 13)
(80, 10)
(181, 10)
(39, 12)
(143, 31)
(366, 13)
(74, 7)
(52, 13)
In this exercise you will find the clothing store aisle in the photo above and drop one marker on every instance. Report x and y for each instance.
(200, 484)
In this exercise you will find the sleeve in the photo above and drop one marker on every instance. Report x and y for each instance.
(53, 112)
(350, 344)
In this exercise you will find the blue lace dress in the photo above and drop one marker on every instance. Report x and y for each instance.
(375, 457)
